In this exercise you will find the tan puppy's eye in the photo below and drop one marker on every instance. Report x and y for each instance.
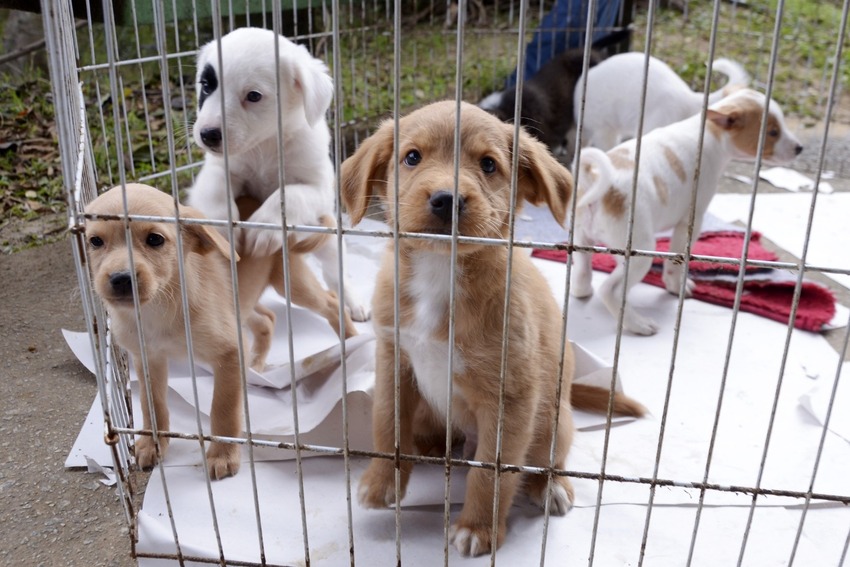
(254, 96)
(488, 165)
(155, 240)
(96, 241)
(773, 133)
(412, 158)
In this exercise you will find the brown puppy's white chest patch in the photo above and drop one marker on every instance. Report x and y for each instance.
(423, 336)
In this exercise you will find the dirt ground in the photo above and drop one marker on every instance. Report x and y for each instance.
(48, 515)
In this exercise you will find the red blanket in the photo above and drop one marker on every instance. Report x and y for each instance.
(761, 295)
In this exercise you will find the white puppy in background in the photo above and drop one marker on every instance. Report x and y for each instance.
(247, 79)
(612, 109)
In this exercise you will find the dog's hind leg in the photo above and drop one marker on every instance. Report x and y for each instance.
(581, 285)
(611, 292)
(328, 255)
(306, 291)
(675, 271)
(261, 322)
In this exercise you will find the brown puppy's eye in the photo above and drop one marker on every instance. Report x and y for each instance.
(154, 240)
(254, 96)
(488, 165)
(773, 133)
(96, 241)
(412, 158)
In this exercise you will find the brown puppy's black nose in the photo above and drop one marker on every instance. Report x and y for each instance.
(211, 137)
(798, 149)
(122, 284)
(441, 205)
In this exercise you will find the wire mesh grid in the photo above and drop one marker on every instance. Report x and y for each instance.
(123, 90)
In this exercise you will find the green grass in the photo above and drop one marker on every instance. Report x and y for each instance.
(30, 173)
(807, 43)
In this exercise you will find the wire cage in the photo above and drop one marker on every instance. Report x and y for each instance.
(725, 469)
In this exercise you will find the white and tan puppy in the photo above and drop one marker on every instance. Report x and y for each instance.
(206, 265)
(424, 168)
(612, 108)
(252, 61)
(665, 181)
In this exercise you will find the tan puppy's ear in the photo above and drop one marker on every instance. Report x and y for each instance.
(204, 237)
(541, 178)
(365, 173)
(725, 119)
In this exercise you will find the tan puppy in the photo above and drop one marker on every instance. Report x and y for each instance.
(209, 293)
(206, 264)
(425, 172)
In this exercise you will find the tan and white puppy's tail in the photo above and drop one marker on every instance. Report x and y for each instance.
(595, 399)
(735, 76)
(597, 175)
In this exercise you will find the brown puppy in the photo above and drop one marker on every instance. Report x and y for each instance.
(206, 264)
(425, 172)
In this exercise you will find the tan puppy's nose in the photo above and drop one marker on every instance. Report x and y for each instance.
(122, 284)
(441, 205)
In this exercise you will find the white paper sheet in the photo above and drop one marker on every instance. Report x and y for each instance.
(791, 180)
(782, 218)
(751, 384)
(816, 402)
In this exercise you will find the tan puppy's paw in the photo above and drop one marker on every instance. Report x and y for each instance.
(223, 460)
(359, 311)
(377, 485)
(474, 540)
(560, 499)
(146, 451)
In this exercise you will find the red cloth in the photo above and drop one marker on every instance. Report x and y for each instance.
(769, 299)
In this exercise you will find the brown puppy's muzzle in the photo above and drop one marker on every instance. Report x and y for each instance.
(441, 205)
(121, 285)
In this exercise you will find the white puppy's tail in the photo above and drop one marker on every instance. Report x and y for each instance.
(597, 174)
(735, 76)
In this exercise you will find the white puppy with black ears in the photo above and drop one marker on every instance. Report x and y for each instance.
(245, 125)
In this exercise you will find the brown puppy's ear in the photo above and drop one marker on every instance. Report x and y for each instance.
(541, 178)
(204, 237)
(365, 173)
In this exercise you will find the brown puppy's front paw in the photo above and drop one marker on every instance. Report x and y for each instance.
(377, 485)
(561, 497)
(258, 363)
(223, 460)
(146, 451)
(473, 540)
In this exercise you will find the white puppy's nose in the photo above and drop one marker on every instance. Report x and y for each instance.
(211, 137)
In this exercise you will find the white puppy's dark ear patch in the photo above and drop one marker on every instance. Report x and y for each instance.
(207, 84)
(314, 84)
